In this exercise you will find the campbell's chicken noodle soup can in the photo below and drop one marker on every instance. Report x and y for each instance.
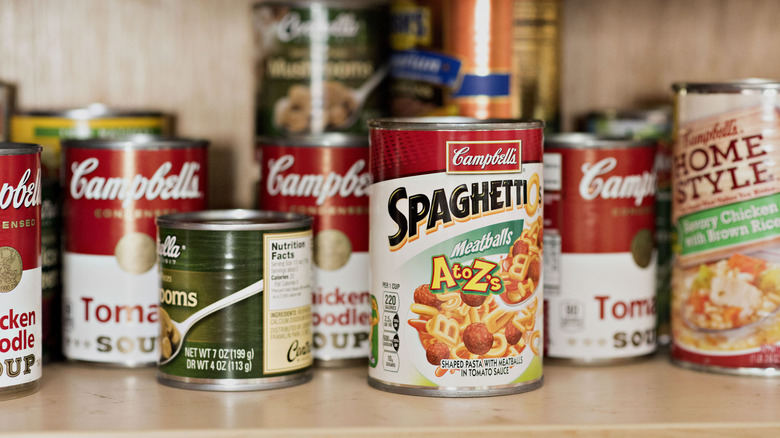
(114, 190)
(726, 192)
(599, 266)
(20, 269)
(327, 178)
(455, 248)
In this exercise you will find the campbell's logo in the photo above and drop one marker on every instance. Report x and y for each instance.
(321, 187)
(169, 248)
(183, 185)
(291, 26)
(597, 182)
(21, 193)
(484, 156)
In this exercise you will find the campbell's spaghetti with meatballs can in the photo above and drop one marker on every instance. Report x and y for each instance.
(455, 248)
(20, 269)
(113, 192)
(599, 289)
(726, 217)
(327, 178)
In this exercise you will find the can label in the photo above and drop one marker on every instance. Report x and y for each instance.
(47, 131)
(600, 262)
(20, 270)
(301, 91)
(330, 184)
(234, 304)
(725, 211)
(110, 280)
(456, 250)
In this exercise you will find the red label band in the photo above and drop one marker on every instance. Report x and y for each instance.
(112, 192)
(329, 183)
(20, 210)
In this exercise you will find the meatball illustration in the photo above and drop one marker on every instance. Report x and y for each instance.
(472, 300)
(477, 338)
(423, 295)
(437, 352)
(513, 335)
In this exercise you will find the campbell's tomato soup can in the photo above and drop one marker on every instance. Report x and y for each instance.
(327, 177)
(599, 267)
(20, 269)
(455, 249)
(114, 190)
(726, 192)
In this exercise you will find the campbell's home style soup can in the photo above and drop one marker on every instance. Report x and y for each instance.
(599, 267)
(327, 178)
(726, 216)
(114, 191)
(455, 254)
(20, 269)
(235, 299)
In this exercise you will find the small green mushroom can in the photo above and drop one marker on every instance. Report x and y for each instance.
(235, 299)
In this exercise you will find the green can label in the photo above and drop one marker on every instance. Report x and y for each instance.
(234, 304)
(320, 68)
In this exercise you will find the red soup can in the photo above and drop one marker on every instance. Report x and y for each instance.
(114, 190)
(326, 177)
(20, 269)
(599, 266)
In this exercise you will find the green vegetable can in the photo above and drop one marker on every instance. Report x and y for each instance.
(235, 299)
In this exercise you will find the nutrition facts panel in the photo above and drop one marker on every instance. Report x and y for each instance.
(552, 263)
(390, 324)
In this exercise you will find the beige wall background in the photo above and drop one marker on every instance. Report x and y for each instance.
(193, 58)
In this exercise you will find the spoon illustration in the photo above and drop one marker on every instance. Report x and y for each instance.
(358, 96)
(180, 329)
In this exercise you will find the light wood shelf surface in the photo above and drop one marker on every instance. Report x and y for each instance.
(646, 398)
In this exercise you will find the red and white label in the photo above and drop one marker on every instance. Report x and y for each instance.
(330, 184)
(600, 262)
(484, 156)
(20, 269)
(110, 279)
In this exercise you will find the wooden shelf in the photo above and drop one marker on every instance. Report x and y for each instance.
(647, 398)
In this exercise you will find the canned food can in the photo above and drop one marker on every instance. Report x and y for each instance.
(454, 54)
(536, 65)
(6, 109)
(235, 299)
(20, 269)
(49, 127)
(726, 186)
(321, 65)
(327, 177)
(455, 254)
(601, 262)
(114, 190)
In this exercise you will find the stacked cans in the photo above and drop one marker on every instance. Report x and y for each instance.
(321, 73)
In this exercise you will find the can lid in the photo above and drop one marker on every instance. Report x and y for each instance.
(92, 111)
(583, 140)
(734, 86)
(452, 124)
(136, 141)
(19, 148)
(234, 220)
(334, 139)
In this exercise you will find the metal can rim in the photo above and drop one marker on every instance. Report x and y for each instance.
(12, 148)
(735, 86)
(452, 123)
(90, 112)
(585, 140)
(335, 139)
(234, 220)
(136, 142)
